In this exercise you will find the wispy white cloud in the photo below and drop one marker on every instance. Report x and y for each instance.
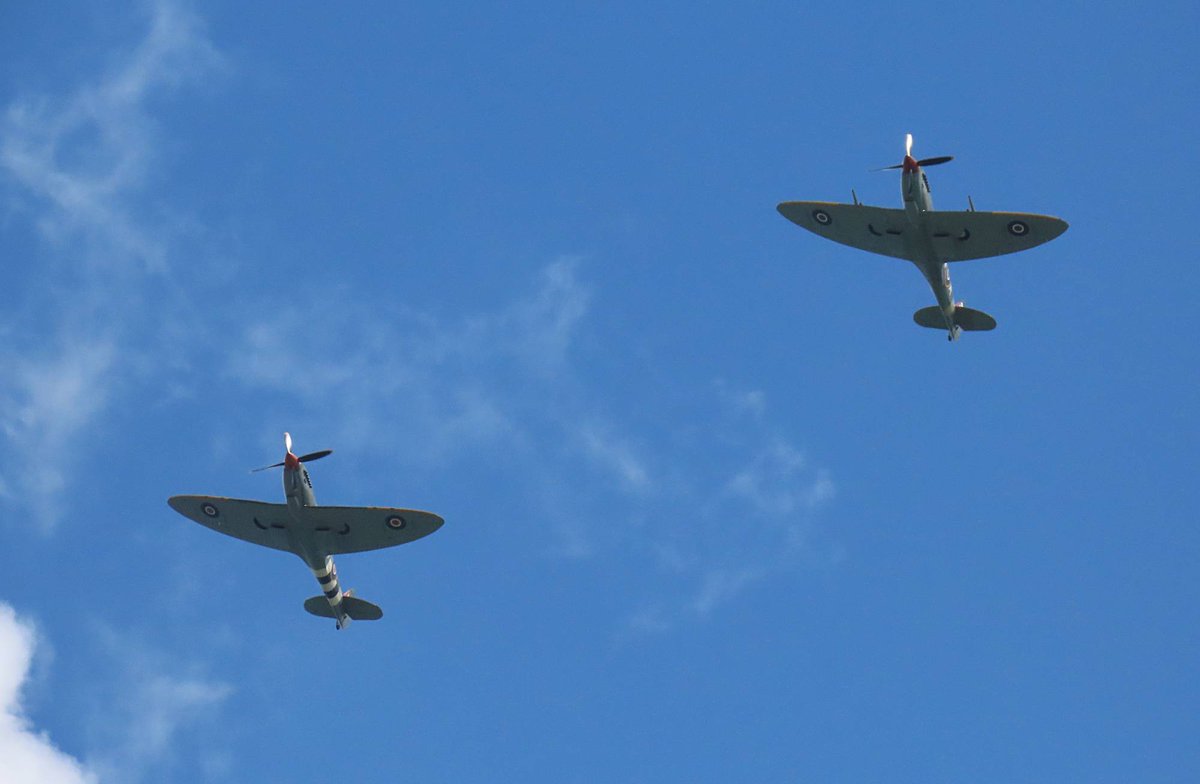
(650, 619)
(752, 402)
(151, 705)
(452, 387)
(81, 159)
(541, 328)
(712, 500)
(49, 397)
(720, 585)
(734, 504)
(613, 454)
(27, 756)
(77, 167)
(777, 482)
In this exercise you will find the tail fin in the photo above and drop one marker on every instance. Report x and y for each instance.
(357, 609)
(969, 319)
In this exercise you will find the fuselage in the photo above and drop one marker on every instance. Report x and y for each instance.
(918, 203)
(296, 485)
(298, 489)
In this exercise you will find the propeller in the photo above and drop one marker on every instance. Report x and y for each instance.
(908, 142)
(287, 443)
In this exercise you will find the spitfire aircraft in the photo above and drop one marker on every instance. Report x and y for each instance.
(927, 238)
(315, 533)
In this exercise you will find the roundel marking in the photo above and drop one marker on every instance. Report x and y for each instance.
(209, 510)
(396, 522)
(1018, 228)
(822, 217)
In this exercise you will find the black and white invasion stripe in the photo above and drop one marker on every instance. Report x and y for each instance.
(327, 577)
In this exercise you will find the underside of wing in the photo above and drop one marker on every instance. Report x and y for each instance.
(960, 236)
(327, 529)
(874, 229)
(354, 529)
(253, 521)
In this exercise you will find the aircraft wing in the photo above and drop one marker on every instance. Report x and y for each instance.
(354, 529)
(333, 529)
(254, 521)
(959, 236)
(875, 229)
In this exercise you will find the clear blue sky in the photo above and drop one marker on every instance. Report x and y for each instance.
(716, 509)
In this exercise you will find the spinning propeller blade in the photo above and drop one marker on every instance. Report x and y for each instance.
(287, 443)
(908, 142)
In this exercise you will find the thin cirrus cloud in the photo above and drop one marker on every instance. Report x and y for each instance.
(155, 709)
(507, 381)
(75, 167)
(80, 161)
(743, 512)
(712, 500)
(452, 387)
(50, 395)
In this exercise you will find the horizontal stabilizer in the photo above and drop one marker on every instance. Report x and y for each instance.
(969, 319)
(357, 609)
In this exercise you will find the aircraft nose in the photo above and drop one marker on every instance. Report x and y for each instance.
(910, 163)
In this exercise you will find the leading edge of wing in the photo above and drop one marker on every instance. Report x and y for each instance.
(204, 508)
(964, 236)
(355, 529)
(331, 529)
(873, 229)
(257, 522)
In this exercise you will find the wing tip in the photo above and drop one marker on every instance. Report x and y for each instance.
(794, 211)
